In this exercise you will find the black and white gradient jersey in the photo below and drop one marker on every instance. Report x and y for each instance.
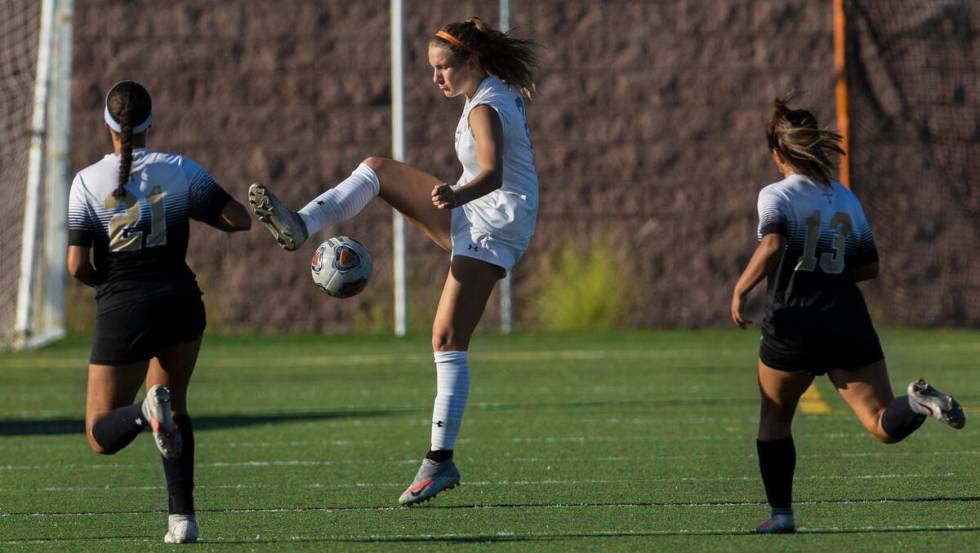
(827, 238)
(140, 239)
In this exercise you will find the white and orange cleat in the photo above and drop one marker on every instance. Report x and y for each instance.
(431, 479)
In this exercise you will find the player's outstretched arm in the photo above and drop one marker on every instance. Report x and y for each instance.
(765, 257)
(233, 218)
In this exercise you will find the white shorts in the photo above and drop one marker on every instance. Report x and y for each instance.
(469, 241)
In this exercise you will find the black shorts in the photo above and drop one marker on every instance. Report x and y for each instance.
(818, 354)
(140, 330)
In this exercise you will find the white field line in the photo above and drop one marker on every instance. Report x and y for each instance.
(488, 507)
(734, 435)
(505, 535)
(554, 460)
(499, 483)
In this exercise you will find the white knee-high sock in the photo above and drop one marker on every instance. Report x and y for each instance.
(343, 201)
(452, 389)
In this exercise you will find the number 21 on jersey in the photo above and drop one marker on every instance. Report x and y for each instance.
(123, 236)
(831, 262)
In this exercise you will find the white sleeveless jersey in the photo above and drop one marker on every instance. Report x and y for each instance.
(509, 213)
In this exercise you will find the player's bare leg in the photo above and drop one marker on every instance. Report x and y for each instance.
(891, 419)
(112, 387)
(409, 190)
(868, 391)
(780, 393)
(464, 297)
(172, 369)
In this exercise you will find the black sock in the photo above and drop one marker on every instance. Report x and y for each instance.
(439, 455)
(900, 420)
(119, 427)
(180, 471)
(777, 462)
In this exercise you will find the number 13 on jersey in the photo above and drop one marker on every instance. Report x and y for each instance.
(831, 262)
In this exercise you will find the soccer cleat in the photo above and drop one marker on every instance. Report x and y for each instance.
(181, 529)
(156, 410)
(285, 224)
(779, 524)
(929, 401)
(431, 479)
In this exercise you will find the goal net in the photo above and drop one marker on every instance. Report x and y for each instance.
(35, 65)
(914, 100)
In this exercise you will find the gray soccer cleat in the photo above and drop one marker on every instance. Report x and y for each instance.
(929, 401)
(431, 479)
(285, 224)
(156, 411)
(778, 524)
(181, 529)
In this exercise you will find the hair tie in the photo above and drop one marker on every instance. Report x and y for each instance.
(113, 124)
(457, 42)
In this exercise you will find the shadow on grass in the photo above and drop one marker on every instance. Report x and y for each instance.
(50, 427)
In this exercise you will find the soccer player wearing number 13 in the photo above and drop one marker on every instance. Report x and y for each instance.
(133, 208)
(815, 245)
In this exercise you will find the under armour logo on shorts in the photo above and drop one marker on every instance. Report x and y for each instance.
(472, 247)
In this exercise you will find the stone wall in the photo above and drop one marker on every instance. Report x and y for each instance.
(648, 133)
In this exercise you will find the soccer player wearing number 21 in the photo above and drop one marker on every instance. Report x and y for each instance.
(131, 210)
(485, 220)
(814, 246)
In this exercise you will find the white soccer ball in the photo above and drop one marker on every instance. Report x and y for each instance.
(341, 267)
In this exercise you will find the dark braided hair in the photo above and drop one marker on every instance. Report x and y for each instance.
(129, 104)
(805, 147)
(510, 59)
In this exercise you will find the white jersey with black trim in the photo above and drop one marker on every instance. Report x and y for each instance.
(509, 214)
(140, 239)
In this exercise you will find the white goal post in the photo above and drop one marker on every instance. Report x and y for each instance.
(35, 79)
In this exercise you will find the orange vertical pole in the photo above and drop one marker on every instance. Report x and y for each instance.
(843, 117)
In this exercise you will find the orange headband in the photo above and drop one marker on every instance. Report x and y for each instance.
(455, 41)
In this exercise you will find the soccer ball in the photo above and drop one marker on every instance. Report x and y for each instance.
(341, 267)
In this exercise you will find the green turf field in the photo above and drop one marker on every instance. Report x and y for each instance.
(639, 441)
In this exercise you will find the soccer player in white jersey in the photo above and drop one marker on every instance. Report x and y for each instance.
(815, 245)
(485, 220)
(128, 224)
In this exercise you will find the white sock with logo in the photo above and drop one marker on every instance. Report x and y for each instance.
(343, 201)
(452, 390)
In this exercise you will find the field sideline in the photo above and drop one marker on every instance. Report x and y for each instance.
(572, 441)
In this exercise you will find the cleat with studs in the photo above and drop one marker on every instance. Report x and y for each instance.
(285, 224)
(930, 402)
